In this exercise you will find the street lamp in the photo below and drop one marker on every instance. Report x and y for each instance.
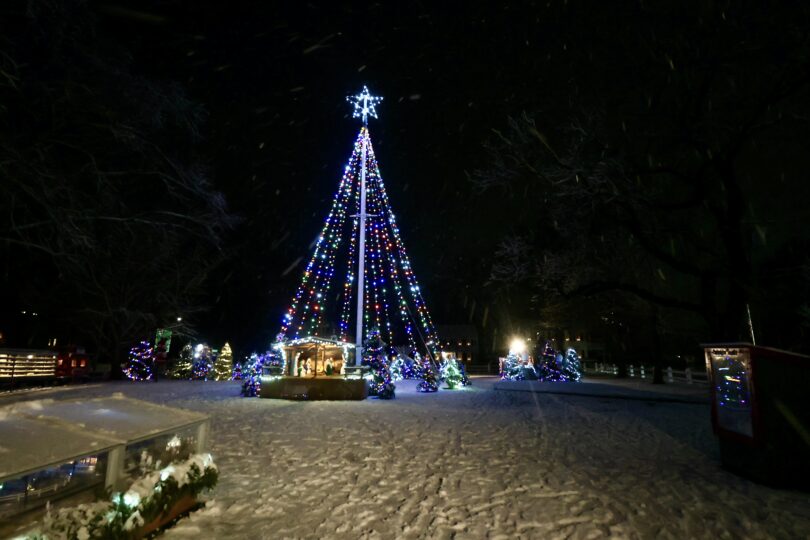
(517, 346)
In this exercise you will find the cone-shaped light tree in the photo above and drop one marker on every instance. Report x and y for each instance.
(223, 368)
(361, 243)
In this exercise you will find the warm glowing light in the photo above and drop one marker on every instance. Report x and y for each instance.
(517, 346)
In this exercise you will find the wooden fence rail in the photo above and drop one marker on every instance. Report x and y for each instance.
(687, 375)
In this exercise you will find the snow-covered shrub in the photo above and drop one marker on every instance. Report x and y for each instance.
(147, 498)
(451, 374)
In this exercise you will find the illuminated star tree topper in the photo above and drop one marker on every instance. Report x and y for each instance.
(364, 105)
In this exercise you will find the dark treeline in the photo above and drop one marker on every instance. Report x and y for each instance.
(659, 199)
(110, 225)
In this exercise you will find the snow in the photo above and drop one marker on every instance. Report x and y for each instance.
(477, 463)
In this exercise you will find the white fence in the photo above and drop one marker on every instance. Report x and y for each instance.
(26, 364)
(687, 375)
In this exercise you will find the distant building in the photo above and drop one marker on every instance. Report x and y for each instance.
(459, 340)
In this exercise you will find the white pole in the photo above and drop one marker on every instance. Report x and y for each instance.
(361, 256)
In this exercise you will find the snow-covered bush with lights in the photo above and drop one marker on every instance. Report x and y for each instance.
(404, 367)
(553, 366)
(429, 382)
(396, 368)
(515, 368)
(451, 373)
(148, 498)
(139, 363)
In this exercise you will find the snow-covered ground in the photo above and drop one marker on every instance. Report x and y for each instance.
(475, 463)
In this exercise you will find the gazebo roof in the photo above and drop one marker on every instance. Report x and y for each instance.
(316, 340)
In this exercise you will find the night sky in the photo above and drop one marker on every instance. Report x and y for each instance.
(272, 78)
(274, 82)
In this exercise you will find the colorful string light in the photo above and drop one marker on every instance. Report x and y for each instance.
(392, 298)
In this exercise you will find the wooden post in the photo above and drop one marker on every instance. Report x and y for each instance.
(688, 376)
(670, 378)
(202, 435)
(115, 468)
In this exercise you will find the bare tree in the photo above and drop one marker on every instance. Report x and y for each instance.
(109, 218)
(649, 190)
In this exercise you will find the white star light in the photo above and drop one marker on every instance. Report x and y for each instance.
(364, 105)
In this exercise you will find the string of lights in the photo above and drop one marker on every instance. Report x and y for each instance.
(389, 281)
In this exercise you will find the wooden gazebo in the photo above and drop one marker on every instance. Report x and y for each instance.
(312, 357)
(316, 368)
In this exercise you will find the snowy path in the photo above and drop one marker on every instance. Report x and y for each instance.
(471, 464)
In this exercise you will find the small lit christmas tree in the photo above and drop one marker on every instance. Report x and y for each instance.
(518, 365)
(251, 381)
(572, 366)
(237, 372)
(396, 368)
(223, 368)
(374, 356)
(139, 364)
(412, 368)
(429, 382)
(553, 366)
(451, 374)
(465, 379)
(546, 363)
(182, 368)
(202, 366)
(513, 368)
(273, 363)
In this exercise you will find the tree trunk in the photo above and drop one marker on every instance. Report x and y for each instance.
(116, 372)
(658, 361)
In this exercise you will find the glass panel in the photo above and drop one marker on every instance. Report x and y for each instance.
(152, 454)
(37, 488)
(732, 386)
